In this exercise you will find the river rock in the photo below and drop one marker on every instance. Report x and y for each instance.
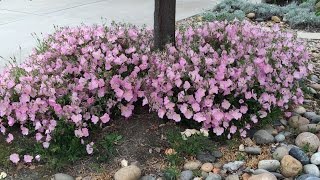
(315, 86)
(269, 165)
(263, 176)
(148, 177)
(205, 157)
(213, 177)
(300, 155)
(263, 137)
(315, 158)
(300, 110)
(62, 176)
(206, 167)
(232, 177)
(253, 150)
(251, 15)
(131, 172)
(307, 177)
(186, 175)
(311, 169)
(259, 171)
(192, 165)
(309, 128)
(308, 139)
(290, 167)
(280, 138)
(297, 121)
(233, 166)
(280, 152)
(276, 19)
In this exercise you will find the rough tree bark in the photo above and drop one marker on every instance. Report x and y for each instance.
(164, 23)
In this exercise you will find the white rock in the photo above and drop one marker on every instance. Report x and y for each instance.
(311, 169)
(269, 165)
(315, 158)
(124, 163)
(300, 110)
(131, 172)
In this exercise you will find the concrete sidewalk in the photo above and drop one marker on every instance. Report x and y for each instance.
(20, 18)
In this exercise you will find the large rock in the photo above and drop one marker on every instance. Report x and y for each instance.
(315, 158)
(131, 172)
(307, 139)
(300, 155)
(263, 137)
(263, 176)
(280, 152)
(290, 167)
(192, 165)
(311, 169)
(297, 121)
(269, 165)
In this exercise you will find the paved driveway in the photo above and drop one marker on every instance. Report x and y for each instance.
(20, 18)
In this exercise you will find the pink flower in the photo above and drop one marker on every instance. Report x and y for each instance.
(39, 137)
(95, 119)
(199, 117)
(38, 158)
(225, 104)
(126, 111)
(105, 118)
(9, 138)
(76, 118)
(14, 158)
(27, 158)
(89, 148)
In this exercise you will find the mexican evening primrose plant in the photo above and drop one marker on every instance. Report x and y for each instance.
(79, 76)
(227, 76)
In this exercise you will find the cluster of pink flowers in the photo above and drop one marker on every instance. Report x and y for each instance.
(78, 75)
(83, 75)
(227, 76)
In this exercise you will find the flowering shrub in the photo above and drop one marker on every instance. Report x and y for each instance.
(224, 75)
(78, 77)
(227, 76)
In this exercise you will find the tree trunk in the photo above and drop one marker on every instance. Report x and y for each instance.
(164, 23)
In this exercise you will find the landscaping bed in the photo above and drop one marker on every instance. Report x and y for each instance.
(141, 143)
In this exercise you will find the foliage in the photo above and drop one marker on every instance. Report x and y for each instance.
(189, 145)
(107, 144)
(298, 16)
(171, 173)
